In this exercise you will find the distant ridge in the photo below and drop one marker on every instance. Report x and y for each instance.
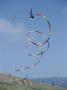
(59, 81)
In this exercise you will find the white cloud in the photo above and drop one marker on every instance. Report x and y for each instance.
(12, 32)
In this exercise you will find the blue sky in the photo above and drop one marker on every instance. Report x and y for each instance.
(14, 25)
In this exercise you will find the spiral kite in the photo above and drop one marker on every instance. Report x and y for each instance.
(39, 45)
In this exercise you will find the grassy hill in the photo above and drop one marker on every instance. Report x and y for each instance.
(14, 83)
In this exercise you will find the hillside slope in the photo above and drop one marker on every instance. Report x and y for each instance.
(14, 83)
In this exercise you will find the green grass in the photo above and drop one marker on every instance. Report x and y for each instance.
(8, 84)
